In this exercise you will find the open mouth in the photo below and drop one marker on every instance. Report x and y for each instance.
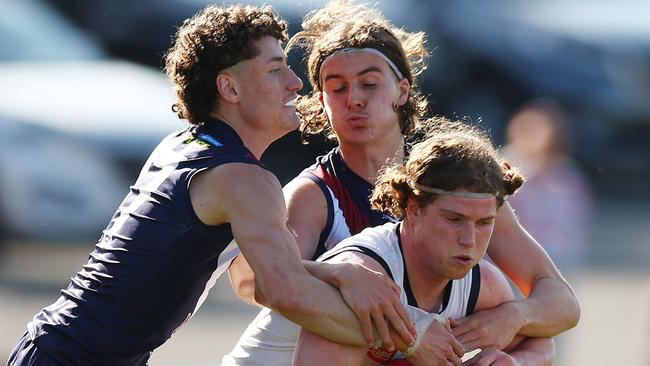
(291, 103)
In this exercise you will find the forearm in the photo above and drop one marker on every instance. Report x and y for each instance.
(321, 309)
(550, 309)
(535, 352)
(324, 271)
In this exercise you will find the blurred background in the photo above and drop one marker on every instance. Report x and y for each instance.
(564, 88)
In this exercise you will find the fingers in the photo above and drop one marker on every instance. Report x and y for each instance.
(396, 289)
(457, 347)
(455, 361)
(403, 338)
(402, 320)
(382, 329)
(474, 344)
(461, 326)
(455, 322)
(448, 326)
(401, 315)
(366, 327)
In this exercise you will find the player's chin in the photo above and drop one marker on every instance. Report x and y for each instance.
(459, 272)
(291, 121)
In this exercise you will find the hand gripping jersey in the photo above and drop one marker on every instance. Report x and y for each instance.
(153, 265)
(383, 244)
(270, 338)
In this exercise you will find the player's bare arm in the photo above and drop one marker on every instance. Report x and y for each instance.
(307, 216)
(367, 292)
(250, 199)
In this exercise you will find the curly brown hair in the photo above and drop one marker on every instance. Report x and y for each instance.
(343, 24)
(452, 156)
(209, 42)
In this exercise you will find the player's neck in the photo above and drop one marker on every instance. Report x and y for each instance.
(256, 140)
(428, 286)
(367, 159)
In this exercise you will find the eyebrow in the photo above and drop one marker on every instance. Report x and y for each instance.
(360, 73)
(463, 216)
(276, 59)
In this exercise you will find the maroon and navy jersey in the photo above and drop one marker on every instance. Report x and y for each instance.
(348, 200)
(152, 266)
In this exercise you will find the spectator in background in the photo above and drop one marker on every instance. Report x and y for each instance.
(555, 204)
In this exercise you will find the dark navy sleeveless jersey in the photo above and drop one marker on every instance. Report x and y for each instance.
(350, 190)
(154, 263)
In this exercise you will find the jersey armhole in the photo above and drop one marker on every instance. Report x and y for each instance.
(367, 251)
(320, 248)
(474, 291)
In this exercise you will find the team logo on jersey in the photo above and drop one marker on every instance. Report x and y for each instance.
(203, 139)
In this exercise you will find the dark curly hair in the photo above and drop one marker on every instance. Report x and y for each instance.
(209, 42)
(452, 156)
(343, 24)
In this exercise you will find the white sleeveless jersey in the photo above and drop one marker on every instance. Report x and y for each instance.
(270, 339)
(382, 244)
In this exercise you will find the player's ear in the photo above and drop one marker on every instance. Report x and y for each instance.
(227, 87)
(404, 90)
(413, 209)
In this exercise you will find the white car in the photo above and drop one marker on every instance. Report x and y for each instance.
(71, 120)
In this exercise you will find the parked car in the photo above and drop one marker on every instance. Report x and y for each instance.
(488, 58)
(76, 125)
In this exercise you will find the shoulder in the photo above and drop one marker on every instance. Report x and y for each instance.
(218, 192)
(234, 181)
(375, 246)
(495, 288)
(305, 192)
(307, 213)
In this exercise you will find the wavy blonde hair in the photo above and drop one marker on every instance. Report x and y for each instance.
(451, 156)
(344, 24)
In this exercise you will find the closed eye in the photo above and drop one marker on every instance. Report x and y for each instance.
(486, 222)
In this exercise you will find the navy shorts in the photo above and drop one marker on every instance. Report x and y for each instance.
(27, 354)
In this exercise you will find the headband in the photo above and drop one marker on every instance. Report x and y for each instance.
(460, 194)
(373, 51)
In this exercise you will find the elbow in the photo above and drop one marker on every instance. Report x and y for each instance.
(574, 312)
(244, 290)
(243, 287)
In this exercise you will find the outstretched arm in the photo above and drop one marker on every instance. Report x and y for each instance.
(306, 218)
(250, 199)
(550, 306)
